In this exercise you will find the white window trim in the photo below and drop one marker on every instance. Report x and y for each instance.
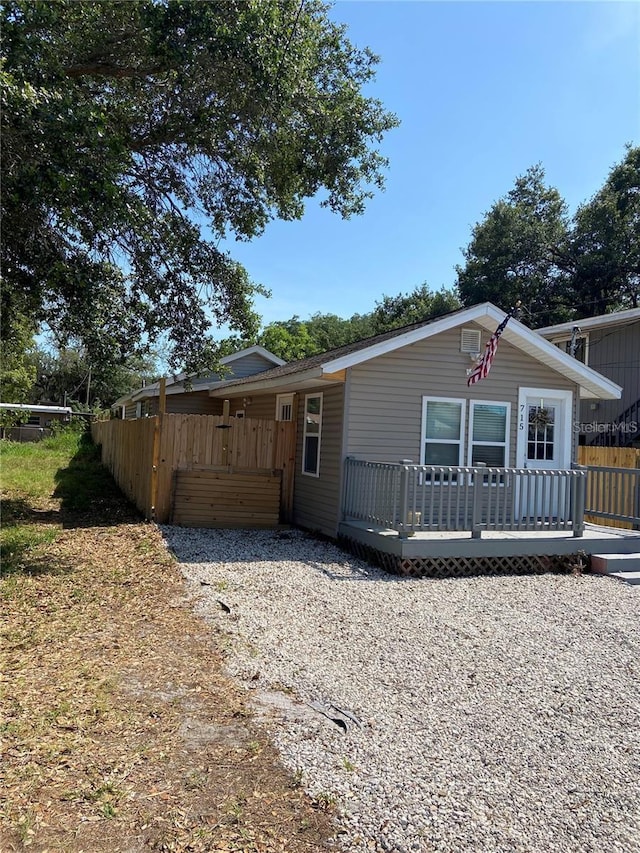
(423, 426)
(563, 339)
(319, 434)
(285, 398)
(471, 442)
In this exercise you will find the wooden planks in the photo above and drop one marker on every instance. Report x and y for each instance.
(224, 497)
(612, 493)
(143, 454)
(128, 452)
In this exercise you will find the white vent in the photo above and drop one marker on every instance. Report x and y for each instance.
(284, 407)
(470, 340)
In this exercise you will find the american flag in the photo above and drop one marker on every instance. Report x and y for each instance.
(482, 368)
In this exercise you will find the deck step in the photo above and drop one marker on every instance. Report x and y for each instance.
(625, 567)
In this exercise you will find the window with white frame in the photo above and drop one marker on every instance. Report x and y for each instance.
(489, 433)
(581, 345)
(442, 431)
(284, 407)
(311, 434)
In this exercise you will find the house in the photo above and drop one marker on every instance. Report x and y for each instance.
(33, 422)
(190, 394)
(609, 344)
(371, 415)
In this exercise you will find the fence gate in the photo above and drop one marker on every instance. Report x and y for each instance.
(209, 496)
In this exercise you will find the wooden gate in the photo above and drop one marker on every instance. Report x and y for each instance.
(224, 497)
(143, 455)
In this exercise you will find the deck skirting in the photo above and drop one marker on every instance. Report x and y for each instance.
(458, 567)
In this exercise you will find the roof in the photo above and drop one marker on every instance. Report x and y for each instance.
(603, 321)
(317, 369)
(43, 410)
(175, 386)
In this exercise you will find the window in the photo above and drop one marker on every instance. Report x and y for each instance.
(442, 429)
(284, 407)
(581, 345)
(33, 420)
(489, 433)
(311, 434)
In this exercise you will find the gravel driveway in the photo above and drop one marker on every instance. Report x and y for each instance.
(492, 714)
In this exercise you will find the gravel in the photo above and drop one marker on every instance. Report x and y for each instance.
(491, 713)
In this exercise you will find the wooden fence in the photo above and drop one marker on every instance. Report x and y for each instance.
(600, 497)
(143, 454)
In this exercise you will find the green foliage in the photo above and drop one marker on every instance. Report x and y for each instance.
(415, 307)
(129, 127)
(604, 248)
(17, 372)
(294, 339)
(561, 268)
(510, 256)
(68, 374)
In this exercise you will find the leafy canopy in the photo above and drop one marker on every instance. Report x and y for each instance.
(295, 338)
(137, 135)
(560, 267)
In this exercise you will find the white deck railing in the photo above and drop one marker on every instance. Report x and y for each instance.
(410, 498)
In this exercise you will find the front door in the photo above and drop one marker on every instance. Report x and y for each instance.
(544, 443)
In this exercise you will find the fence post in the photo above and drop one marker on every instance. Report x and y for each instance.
(476, 512)
(580, 500)
(403, 531)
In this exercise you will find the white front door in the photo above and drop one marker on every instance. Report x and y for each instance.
(544, 442)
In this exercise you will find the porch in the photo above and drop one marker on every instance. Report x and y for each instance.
(414, 519)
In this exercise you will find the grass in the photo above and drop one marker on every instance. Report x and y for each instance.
(42, 484)
(95, 625)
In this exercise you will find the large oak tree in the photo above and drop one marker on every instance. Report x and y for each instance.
(137, 135)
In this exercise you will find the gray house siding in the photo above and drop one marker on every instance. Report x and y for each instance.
(317, 499)
(248, 365)
(263, 406)
(385, 394)
(616, 354)
(189, 403)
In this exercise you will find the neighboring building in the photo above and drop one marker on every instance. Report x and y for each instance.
(38, 420)
(609, 344)
(190, 394)
(403, 395)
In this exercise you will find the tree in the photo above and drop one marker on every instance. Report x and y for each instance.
(68, 376)
(415, 307)
(137, 135)
(17, 371)
(604, 246)
(513, 252)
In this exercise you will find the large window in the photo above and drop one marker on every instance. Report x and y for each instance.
(489, 433)
(442, 430)
(311, 434)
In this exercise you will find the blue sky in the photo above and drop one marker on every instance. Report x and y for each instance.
(483, 91)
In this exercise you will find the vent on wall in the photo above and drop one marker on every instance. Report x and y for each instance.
(470, 341)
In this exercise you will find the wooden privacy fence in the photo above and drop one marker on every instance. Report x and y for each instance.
(143, 454)
(613, 485)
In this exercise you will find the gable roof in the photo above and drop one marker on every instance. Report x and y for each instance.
(204, 383)
(602, 321)
(317, 369)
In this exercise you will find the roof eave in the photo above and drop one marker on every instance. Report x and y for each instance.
(288, 382)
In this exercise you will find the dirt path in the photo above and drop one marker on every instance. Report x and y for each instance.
(120, 731)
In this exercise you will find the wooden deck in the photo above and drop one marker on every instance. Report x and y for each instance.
(436, 544)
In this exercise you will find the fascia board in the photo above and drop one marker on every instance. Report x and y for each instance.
(286, 382)
(473, 314)
(617, 318)
(254, 350)
(592, 384)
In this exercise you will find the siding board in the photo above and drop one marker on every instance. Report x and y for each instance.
(385, 403)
